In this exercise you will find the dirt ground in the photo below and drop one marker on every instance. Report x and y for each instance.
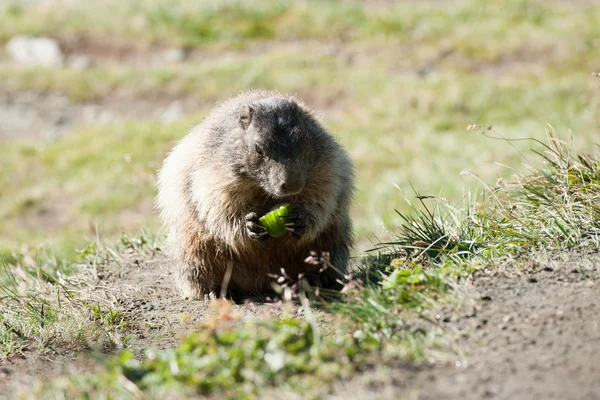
(527, 331)
(530, 332)
(144, 291)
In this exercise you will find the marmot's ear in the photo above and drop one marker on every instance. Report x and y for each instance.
(246, 116)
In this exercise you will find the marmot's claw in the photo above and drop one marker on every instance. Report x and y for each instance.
(296, 224)
(254, 230)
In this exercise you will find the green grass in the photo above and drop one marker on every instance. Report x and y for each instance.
(553, 207)
(240, 357)
(233, 23)
(41, 311)
(87, 181)
(398, 84)
(234, 360)
(49, 303)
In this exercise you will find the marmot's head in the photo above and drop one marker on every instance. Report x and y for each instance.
(278, 145)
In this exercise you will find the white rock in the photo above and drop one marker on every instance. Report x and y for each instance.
(35, 51)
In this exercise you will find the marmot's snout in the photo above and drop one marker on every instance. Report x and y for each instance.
(291, 188)
(288, 181)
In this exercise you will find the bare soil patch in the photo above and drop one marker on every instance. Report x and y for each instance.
(532, 331)
(534, 335)
(49, 116)
(144, 291)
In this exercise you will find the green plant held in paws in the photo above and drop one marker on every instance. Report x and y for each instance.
(274, 221)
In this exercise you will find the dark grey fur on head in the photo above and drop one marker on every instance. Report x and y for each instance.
(273, 146)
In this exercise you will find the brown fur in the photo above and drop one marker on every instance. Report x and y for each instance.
(204, 196)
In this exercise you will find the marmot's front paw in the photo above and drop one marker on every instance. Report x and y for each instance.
(254, 229)
(296, 224)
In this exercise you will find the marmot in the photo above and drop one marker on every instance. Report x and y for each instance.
(252, 152)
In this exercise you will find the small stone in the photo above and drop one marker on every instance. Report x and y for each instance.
(30, 50)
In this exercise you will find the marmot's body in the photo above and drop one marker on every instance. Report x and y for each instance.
(252, 152)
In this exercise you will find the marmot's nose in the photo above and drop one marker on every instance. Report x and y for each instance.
(292, 187)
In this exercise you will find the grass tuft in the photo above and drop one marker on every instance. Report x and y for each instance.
(46, 304)
(554, 206)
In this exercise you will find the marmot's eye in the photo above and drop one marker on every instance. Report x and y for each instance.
(259, 150)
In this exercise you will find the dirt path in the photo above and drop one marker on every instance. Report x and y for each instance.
(533, 333)
(537, 335)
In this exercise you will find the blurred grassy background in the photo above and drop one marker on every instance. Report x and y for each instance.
(397, 82)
